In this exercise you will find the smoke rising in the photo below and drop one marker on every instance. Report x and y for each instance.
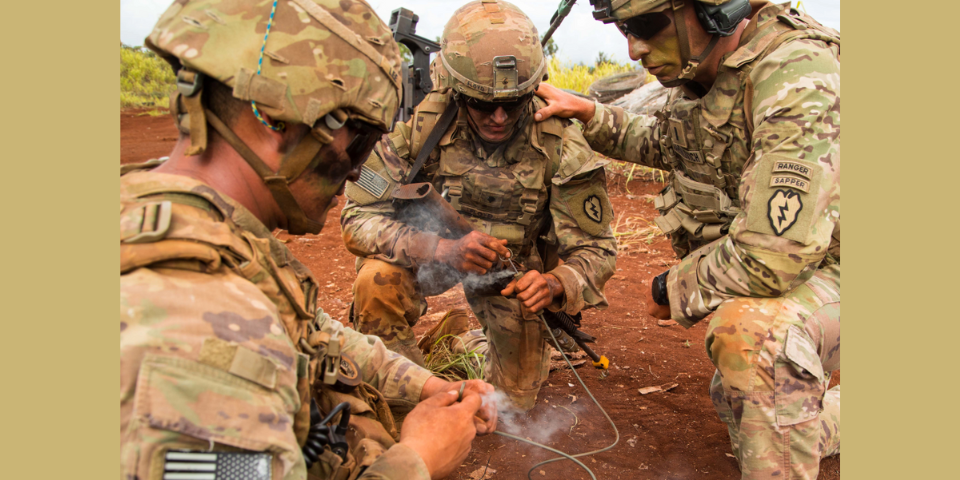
(542, 428)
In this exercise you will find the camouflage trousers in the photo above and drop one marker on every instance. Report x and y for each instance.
(774, 357)
(388, 303)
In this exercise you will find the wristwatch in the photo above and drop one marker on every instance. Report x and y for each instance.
(659, 289)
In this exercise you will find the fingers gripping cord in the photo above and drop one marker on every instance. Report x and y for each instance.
(572, 458)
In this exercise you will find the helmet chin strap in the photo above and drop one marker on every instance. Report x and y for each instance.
(292, 165)
(690, 64)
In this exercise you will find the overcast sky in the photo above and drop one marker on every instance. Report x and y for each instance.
(580, 37)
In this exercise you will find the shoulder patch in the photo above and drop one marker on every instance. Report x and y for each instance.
(783, 209)
(373, 183)
(593, 208)
(588, 203)
(784, 197)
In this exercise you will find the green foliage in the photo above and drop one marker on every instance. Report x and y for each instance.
(405, 54)
(603, 58)
(579, 77)
(146, 80)
(550, 49)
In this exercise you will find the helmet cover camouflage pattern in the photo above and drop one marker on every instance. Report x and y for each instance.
(507, 64)
(321, 55)
(620, 10)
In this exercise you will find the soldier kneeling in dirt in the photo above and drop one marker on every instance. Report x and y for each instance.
(752, 140)
(533, 192)
(228, 368)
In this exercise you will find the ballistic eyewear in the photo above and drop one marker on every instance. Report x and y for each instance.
(490, 107)
(644, 26)
(363, 142)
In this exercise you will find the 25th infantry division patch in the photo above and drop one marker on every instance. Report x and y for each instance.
(593, 208)
(783, 210)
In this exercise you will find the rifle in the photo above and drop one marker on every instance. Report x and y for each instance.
(416, 78)
(562, 11)
(571, 326)
(420, 205)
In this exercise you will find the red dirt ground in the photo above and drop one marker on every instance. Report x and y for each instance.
(673, 434)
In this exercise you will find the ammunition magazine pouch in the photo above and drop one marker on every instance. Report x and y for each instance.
(702, 210)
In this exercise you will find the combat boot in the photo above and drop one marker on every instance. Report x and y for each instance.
(407, 348)
(455, 323)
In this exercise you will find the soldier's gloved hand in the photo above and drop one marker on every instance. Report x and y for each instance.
(473, 253)
(654, 309)
(441, 431)
(563, 104)
(486, 419)
(535, 290)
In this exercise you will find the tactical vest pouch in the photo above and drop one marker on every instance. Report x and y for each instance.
(166, 394)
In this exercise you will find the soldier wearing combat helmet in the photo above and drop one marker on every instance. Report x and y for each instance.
(751, 137)
(228, 368)
(533, 192)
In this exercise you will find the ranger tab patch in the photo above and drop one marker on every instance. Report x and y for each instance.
(593, 208)
(783, 209)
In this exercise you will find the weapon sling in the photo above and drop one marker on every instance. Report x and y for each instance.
(446, 118)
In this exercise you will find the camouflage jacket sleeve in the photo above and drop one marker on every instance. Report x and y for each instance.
(580, 211)
(625, 136)
(181, 385)
(398, 379)
(789, 190)
(204, 360)
(369, 229)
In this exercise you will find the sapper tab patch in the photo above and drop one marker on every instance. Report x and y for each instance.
(790, 181)
(373, 183)
(593, 208)
(183, 464)
(783, 209)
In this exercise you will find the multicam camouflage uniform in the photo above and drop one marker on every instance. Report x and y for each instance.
(542, 190)
(214, 315)
(753, 208)
(222, 346)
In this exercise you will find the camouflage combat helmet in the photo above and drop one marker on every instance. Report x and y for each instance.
(718, 17)
(490, 51)
(297, 61)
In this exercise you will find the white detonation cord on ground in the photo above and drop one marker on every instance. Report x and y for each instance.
(572, 458)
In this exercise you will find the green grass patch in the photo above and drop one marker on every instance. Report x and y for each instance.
(453, 367)
(146, 80)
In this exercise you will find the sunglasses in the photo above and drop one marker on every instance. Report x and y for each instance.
(363, 142)
(644, 26)
(490, 107)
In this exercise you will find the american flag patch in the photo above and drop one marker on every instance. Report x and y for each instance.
(187, 465)
(371, 182)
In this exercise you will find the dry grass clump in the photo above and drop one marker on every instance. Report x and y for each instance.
(453, 367)
(580, 77)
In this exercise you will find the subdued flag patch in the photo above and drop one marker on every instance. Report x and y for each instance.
(373, 183)
(191, 465)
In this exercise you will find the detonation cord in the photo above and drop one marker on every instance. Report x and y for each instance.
(564, 456)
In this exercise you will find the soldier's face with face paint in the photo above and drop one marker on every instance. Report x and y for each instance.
(659, 52)
(317, 188)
